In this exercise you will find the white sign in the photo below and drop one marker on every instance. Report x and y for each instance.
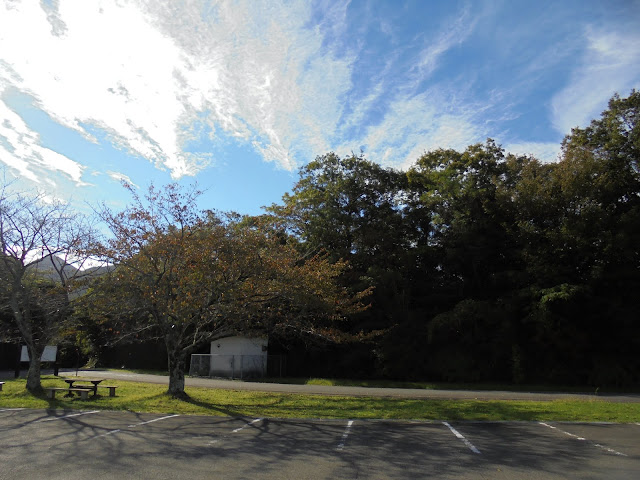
(49, 354)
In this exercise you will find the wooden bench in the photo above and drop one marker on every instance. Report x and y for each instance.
(112, 389)
(91, 387)
(94, 388)
(84, 392)
(1, 383)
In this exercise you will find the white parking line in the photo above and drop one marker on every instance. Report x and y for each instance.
(343, 440)
(461, 437)
(218, 440)
(247, 425)
(610, 450)
(151, 421)
(566, 433)
(108, 433)
(68, 416)
(11, 409)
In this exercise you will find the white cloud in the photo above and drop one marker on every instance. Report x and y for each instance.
(455, 32)
(417, 124)
(158, 76)
(611, 64)
(543, 151)
(413, 123)
(145, 72)
(20, 149)
(97, 71)
(121, 177)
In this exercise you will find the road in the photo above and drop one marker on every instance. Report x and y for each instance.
(353, 391)
(73, 445)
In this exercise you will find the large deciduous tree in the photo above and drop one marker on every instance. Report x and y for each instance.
(592, 264)
(190, 277)
(478, 270)
(353, 209)
(39, 266)
(356, 210)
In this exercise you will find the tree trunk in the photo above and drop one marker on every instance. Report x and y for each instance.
(176, 372)
(33, 375)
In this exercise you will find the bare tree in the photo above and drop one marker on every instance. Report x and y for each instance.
(39, 268)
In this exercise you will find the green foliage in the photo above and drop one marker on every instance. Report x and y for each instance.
(354, 210)
(492, 266)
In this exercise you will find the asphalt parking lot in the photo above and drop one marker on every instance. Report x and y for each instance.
(38, 444)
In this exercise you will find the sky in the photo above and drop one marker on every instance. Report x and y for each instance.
(236, 96)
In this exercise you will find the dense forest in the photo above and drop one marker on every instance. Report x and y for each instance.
(487, 266)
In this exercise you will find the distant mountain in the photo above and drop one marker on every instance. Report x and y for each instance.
(49, 266)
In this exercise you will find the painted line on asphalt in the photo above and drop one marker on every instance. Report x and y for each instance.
(68, 416)
(247, 425)
(11, 409)
(239, 429)
(566, 433)
(610, 450)
(461, 437)
(105, 434)
(607, 449)
(345, 435)
(151, 421)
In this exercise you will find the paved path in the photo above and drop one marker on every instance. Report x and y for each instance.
(354, 391)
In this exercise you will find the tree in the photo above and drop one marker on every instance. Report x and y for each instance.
(190, 277)
(473, 255)
(593, 261)
(355, 210)
(40, 263)
(352, 208)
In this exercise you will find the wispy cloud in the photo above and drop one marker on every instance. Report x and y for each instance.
(20, 150)
(121, 177)
(456, 30)
(414, 124)
(291, 78)
(401, 118)
(250, 70)
(610, 64)
(544, 151)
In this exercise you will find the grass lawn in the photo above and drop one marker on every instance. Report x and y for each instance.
(143, 397)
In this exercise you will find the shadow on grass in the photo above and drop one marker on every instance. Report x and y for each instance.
(211, 407)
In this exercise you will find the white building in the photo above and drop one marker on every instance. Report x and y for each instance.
(238, 357)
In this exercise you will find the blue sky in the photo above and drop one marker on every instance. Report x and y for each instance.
(237, 95)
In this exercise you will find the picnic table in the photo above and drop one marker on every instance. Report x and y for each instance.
(94, 382)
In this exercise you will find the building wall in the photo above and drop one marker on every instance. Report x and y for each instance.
(239, 346)
(238, 357)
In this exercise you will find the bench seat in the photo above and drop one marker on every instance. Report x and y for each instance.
(112, 389)
(86, 385)
(84, 392)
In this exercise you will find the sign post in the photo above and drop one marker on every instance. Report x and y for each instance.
(48, 355)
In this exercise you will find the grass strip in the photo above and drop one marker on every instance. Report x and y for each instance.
(143, 397)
